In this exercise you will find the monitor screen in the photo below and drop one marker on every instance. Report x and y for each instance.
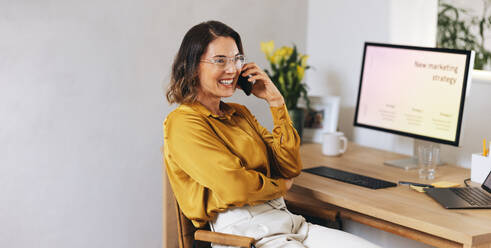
(413, 91)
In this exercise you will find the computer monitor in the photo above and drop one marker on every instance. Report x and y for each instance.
(413, 91)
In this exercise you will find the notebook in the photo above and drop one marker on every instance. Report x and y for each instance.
(459, 198)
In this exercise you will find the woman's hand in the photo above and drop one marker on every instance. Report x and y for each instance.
(264, 88)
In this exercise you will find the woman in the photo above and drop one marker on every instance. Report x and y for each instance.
(225, 168)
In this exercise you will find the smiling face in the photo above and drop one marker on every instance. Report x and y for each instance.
(215, 81)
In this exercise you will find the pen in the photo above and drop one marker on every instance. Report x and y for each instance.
(417, 184)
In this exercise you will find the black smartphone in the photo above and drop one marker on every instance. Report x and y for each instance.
(245, 85)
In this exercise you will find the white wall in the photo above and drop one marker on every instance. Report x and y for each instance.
(80, 112)
(336, 34)
(81, 107)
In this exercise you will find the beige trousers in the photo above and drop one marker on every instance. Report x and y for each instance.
(272, 226)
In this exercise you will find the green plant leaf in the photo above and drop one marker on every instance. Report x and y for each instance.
(455, 33)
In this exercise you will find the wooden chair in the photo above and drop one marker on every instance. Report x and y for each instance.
(190, 237)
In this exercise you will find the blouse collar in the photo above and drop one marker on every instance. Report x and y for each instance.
(228, 110)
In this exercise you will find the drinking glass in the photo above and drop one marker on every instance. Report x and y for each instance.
(428, 157)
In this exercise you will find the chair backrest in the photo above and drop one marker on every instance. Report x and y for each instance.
(186, 230)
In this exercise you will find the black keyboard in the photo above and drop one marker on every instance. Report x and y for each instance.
(348, 177)
(473, 196)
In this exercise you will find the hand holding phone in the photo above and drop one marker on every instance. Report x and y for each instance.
(262, 85)
(244, 84)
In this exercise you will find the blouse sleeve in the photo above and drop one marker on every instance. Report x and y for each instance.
(192, 146)
(284, 142)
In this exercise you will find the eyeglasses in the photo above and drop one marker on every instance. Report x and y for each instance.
(222, 61)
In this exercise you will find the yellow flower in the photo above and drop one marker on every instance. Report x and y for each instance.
(300, 72)
(267, 48)
(288, 70)
(288, 51)
(304, 60)
(280, 54)
(274, 59)
(277, 56)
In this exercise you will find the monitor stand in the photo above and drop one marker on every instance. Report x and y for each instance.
(412, 162)
(406, 164)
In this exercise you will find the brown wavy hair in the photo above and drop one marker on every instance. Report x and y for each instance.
(184, 82)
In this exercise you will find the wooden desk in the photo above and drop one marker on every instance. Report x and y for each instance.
(398, 210)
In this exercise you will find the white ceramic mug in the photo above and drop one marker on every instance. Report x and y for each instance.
(331, 143)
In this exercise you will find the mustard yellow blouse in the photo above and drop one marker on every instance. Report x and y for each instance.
(217, 162)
